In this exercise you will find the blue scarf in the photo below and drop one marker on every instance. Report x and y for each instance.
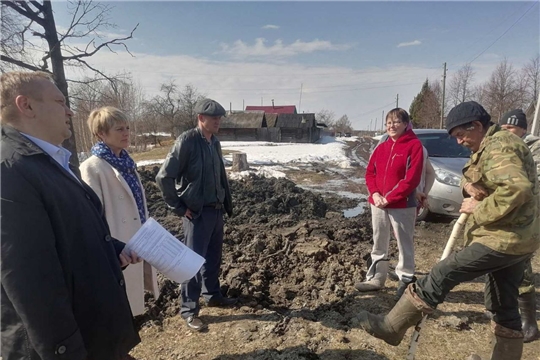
(127, 167)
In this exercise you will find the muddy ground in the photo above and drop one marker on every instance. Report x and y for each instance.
(292, 259)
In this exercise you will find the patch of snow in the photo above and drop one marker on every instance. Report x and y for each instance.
(150, 162)
(266, 153)
(156, 134)
(355, 211)
(267, 171)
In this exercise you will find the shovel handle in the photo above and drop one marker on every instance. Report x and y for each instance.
(447, 250)
(454, 235)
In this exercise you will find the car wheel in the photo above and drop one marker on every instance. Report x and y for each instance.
(423, 213)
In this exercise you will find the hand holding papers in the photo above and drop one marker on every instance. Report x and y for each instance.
(164, 252)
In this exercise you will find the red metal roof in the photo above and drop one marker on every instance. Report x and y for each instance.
(284, 109)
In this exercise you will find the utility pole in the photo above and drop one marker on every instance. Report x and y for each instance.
(300, 103)
(397, 100)
(535, 119)
(375, 127)
(443, 94)
(382, 122)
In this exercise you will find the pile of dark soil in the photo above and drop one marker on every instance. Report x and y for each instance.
(284, 248)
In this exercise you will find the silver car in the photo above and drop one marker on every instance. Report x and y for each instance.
(448, 159)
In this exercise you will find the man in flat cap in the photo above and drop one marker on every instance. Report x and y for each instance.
(515, 121)
(501, 234)
(195, 164)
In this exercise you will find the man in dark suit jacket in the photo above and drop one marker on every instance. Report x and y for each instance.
(62, 290)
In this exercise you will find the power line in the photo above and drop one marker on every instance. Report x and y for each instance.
(377, 109)
(499, 23)
(504, 33)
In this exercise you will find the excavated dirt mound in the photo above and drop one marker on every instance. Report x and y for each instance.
(284, 247)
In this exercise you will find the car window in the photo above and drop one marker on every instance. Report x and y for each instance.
(443, 145)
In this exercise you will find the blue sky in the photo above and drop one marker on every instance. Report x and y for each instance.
(348, 57)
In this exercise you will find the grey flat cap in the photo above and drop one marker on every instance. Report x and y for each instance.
(209, 107)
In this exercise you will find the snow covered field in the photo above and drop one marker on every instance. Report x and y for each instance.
(269, 159)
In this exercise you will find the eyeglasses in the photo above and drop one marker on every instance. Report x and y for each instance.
(395, 123)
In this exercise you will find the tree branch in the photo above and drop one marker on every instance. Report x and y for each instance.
(21, 9)
(21, 64)
(105, 44)
(37, 5)
(111, 80)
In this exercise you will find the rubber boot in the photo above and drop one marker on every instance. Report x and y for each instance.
(378, 280)
(527, 309)
(392, 328)
(507, 344)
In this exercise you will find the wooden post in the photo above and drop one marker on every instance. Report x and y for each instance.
(239, 162)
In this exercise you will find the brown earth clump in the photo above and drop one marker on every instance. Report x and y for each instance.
(284, 248)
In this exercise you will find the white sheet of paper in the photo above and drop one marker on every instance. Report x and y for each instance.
(164, 252)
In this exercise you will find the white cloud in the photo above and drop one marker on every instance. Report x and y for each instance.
(270, 26)
(361, 94)
(241, 50)
(411, 43)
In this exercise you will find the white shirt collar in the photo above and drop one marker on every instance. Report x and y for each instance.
(58, 153)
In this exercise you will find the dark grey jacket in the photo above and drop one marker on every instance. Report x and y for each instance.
(184, 166)
(62, 290)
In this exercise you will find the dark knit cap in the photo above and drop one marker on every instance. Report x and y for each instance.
(465, 113)
(514, 117)
(209, 107)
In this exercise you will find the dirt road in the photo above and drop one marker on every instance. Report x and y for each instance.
(292, 258)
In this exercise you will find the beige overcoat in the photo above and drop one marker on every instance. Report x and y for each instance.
(124, 221)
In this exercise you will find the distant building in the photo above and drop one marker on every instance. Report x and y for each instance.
(278, 109)
(258, 125)
(298, 128)
(243, 126)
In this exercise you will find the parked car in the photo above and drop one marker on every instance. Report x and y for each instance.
(448, 159)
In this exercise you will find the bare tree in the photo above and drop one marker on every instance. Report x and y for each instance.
(343, 124)
(327, 117)
(188, 98)
(504, 91)
(175, 108)
(531, 74)
(461, 85)
(125, 95)
(31, 29)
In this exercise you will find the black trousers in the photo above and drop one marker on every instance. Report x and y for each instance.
(204, 235)
(504, 275)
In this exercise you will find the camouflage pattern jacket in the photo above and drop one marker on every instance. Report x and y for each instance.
(507, 220)
(533, 142)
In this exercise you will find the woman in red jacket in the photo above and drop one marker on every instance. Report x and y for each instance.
(393, 173)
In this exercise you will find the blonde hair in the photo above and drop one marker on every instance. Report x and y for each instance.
(17, 83)
(103, 119)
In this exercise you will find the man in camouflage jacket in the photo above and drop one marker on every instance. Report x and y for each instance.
(515, 121)
(501, 234)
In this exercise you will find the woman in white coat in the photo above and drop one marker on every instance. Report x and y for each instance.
(112, 174)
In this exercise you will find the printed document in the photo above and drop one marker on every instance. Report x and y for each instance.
(165, 252)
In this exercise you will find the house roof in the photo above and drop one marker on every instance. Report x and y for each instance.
(278, 109)
(271, 119)
(244, 120)
(304, 120)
